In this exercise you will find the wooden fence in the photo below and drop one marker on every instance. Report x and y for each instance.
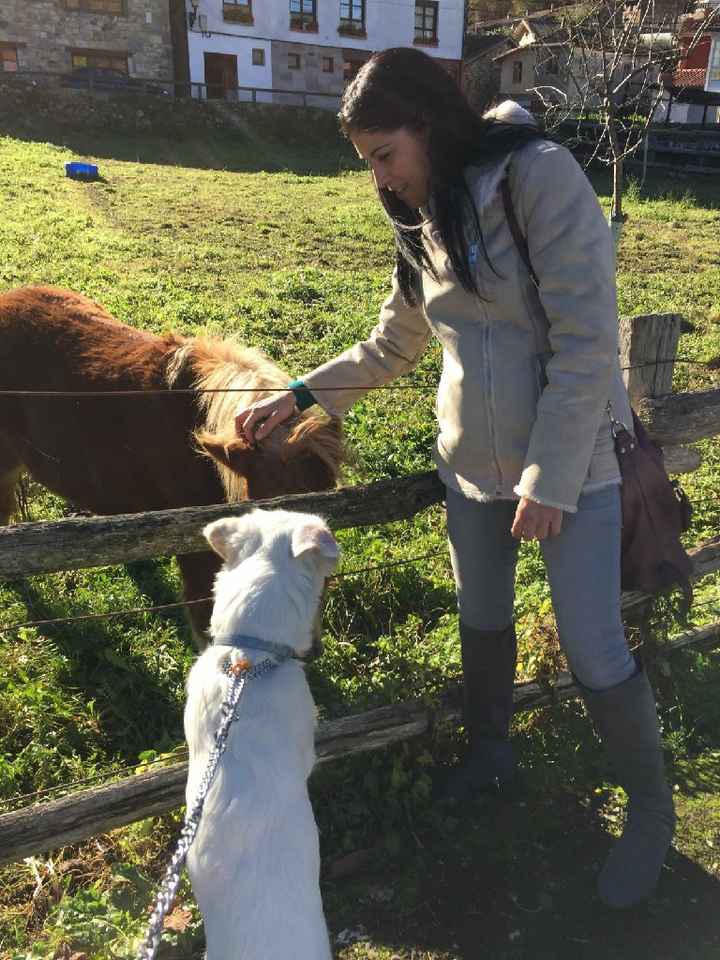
(114, 83)
(648, 350)
(680, 147)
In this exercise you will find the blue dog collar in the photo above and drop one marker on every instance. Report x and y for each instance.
(281, 650)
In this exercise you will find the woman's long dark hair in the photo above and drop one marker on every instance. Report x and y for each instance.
(404, 87)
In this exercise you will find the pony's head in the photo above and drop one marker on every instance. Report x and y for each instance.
(301, 456)
(303, 459)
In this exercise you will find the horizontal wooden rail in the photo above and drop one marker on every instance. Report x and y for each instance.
(79, 816)
(32, 548)
(681, 417)
(705, 560)
(27, 549)
(681, 459)
(98, 809)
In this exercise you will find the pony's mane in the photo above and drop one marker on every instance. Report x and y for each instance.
(223, 366)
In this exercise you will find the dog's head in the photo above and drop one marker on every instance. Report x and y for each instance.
(275, 566)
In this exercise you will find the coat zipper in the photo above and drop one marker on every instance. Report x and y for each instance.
(490, 405)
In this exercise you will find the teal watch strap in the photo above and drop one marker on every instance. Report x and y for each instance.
(303, 397)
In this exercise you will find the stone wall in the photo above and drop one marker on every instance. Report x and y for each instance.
(43, 108)
(311, 75)
(47, 33)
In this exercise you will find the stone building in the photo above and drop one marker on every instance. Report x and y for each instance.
(60, 36)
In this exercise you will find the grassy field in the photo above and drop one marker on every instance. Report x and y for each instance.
(287, 250)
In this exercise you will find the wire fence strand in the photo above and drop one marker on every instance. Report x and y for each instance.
(181, 755)
(178, 604)
(713, 364)
(189, 391)
(158, 608)
(106, 777)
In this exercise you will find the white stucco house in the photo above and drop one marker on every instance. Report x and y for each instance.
(297, 51)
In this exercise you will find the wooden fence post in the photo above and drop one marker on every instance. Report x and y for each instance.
(648, 348)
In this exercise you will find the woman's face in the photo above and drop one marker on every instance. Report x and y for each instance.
(399, 161)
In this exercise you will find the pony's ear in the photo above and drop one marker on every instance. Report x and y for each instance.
(236, 454)
(219, 534)
(315, 536)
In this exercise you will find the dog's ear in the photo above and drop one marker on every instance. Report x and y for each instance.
(220, 535)
(236, 454)
(315, 536)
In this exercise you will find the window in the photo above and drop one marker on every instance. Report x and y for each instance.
(258, 58)
(352, 17)
(237, 11)
(713, 76)
(517, 72)
(426, 20)
(8, 59)
(115, 7)
(552, 66)
(100, 59)
(353, 61)
(293, 61)
(303, 15)
(328, 65)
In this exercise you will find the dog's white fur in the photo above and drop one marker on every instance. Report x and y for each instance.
(255, 862)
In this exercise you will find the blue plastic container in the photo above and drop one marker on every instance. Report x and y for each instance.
(81, 171)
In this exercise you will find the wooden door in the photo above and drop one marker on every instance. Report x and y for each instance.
(221, 76)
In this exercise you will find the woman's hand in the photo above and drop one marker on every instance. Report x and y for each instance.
(535, 521)
(260, 419)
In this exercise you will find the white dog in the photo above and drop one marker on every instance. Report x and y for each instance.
(255, 862)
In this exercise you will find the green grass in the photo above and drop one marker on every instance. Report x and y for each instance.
(207, 235)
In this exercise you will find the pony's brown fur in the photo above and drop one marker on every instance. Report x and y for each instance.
(130, 454)
(310, 452)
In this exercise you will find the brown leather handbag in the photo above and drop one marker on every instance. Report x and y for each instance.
(655, 510)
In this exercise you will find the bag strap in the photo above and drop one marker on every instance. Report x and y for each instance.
(518, 236)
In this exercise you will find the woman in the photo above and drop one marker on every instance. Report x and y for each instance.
(524, 447)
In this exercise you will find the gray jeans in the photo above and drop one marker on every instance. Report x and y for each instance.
(583, 568)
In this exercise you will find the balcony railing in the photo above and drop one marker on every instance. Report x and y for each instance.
(237, 14)
(352, 28)
(303, 23)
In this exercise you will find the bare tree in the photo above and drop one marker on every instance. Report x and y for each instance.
(606, 62)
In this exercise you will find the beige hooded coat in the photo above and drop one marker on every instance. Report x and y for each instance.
(527, 371)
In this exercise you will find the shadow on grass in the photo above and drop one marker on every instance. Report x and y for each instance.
(698, 189)
(245, 150)
(152, 583)
(134, 701)
(514, 881)
(387, 616)
(368, 605)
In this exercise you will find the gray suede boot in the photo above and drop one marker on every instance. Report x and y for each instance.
(625, 718)
(489, 658)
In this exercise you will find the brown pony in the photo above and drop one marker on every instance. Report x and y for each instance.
(136, 453)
